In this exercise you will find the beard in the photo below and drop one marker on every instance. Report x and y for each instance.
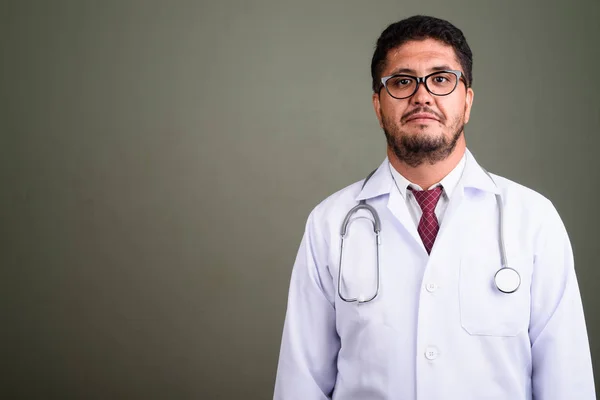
(416, 149)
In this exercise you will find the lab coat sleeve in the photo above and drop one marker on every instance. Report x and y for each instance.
(561, 361)
(307, 366)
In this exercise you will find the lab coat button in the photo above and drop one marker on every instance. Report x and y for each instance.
(431, 287)
(431, 353)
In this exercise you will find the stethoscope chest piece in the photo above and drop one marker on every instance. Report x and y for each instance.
(507, 280)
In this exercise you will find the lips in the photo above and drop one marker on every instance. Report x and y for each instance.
(422, 116)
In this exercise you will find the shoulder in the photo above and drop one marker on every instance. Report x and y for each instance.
(324, 222)
(523, 192)
(527, 204)
(339, 202)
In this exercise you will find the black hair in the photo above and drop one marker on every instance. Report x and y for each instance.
(420, 27)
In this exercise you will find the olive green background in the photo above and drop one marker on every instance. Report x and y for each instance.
(158, 160)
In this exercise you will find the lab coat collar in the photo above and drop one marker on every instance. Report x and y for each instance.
(379, 184)
(473, 177)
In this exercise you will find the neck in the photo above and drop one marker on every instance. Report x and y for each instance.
(427, 175)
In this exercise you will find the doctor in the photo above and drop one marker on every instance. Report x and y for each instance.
(410, 306)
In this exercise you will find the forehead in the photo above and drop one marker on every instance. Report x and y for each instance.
(421, 56)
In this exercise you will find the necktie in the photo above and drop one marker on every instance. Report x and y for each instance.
(428, 225)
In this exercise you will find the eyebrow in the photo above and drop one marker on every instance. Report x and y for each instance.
(413, 72)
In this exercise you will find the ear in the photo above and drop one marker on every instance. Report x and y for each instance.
(468, 104)
(377, 108)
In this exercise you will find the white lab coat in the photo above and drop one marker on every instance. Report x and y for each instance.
(439, 328)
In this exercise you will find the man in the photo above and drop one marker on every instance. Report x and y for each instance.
(471, 293)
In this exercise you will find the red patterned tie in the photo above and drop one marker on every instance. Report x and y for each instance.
(428, 225)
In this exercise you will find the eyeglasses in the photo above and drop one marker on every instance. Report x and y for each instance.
(440, 83)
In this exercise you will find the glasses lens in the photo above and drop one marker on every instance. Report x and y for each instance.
(441, 83)
(401, 86)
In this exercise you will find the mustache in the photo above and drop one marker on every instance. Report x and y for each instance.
(421, 110)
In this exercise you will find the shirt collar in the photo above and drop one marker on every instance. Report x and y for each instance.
(449, 182)
(471, 175)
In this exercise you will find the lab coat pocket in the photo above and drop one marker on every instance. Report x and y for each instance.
(485, 310)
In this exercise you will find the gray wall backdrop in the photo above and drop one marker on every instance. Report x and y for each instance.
(158, 161)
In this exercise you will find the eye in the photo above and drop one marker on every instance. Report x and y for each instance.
(440, 79)
(400, 81)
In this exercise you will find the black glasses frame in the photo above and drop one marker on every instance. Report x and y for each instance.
(423, 79)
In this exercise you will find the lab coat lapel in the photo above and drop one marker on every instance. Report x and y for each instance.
(382, 183)
(473, 177)
(446, 226)
(397, 206)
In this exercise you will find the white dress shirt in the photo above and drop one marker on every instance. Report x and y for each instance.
(448, 183)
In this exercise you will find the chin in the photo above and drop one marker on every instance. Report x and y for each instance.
(425, 131)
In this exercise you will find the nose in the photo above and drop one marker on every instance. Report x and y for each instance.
(421, 96)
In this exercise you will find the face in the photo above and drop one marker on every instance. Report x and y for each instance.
(424, 127)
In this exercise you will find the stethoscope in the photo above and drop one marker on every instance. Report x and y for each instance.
(507, 279)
